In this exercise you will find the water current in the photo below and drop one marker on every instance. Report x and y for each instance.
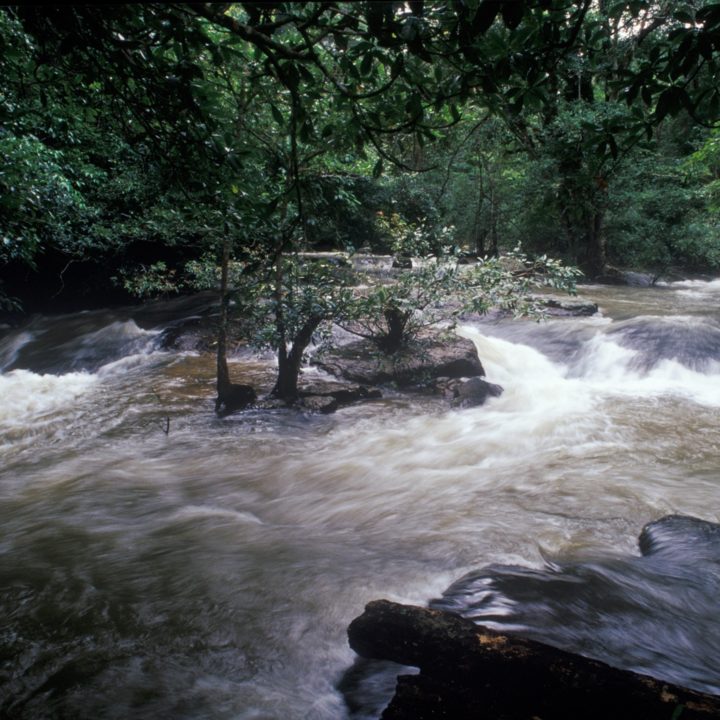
(159, 562)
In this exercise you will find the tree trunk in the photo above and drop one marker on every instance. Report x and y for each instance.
(396, 321)
(468, 671)
(479, 230)
(223, 374)
(230, 397)
(290, 361)
(595, 245)
(582, 214)
(494, 251)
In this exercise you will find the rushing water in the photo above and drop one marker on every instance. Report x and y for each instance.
(158, 562)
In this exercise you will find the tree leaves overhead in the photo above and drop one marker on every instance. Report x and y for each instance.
(505, 54)
(263, 96)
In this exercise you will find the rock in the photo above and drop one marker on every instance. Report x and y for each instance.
(430, 357)
(188, 335)
(319, 403)
(470, 671)
(271, 403)
(336, 259)
(471, 393)
(351, 395)
(563, 307)
(234, 398)
(328, 397)
(402, 262)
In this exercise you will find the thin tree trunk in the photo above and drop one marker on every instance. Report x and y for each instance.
(479, 231)
(223, 374)
(596, 245)
(494, 251)
(230, 397)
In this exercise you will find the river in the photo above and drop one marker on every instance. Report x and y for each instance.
(159, 562)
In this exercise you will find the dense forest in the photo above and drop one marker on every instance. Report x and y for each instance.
(147, 146)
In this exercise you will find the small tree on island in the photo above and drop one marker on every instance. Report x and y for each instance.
(394, 313)
(296, 301)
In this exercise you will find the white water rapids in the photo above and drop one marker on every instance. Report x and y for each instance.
(211, 571)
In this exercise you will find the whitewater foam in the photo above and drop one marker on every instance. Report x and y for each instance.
(28, 397)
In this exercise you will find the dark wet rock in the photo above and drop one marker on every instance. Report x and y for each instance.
(326, 397)
(473, 392)
(319, 403)
(234, 398)
(188, 335)
(590, 621)
(652, 613)
(429, 358)
(198, 334)
(471, 671)
(402, 262)
(569, 307)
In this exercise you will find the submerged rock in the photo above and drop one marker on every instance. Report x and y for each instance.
(472, 392)
(327, 398)
(319, 403)
(402, 262)
(573, 307)
(615, 276)
(321, 397)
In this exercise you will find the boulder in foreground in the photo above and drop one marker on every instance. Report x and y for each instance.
(469, 671)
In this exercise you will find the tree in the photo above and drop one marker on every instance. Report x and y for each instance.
(235, 115)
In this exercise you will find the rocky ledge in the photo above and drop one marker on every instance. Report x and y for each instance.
(433, 356)
(441, 363)
(470, 671)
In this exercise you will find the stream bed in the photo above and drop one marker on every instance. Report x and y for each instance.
(159, 562)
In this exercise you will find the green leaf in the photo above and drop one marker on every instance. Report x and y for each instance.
(612, 144)
(671, 101)
(485, 16)
(512, 14)
(366, 64)
(277, 115)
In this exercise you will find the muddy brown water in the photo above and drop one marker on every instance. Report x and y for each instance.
(211, 571)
